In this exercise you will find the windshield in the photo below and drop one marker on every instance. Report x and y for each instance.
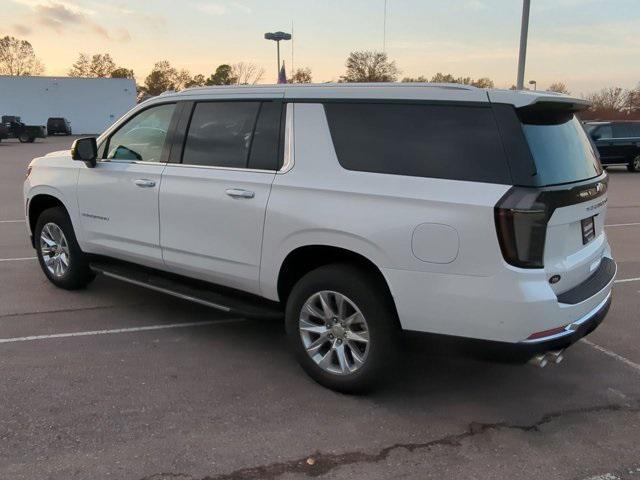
(561, 150)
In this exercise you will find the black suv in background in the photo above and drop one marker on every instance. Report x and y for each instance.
(58, 126)
(617, 142)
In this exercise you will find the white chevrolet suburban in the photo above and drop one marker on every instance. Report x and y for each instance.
(357, 211)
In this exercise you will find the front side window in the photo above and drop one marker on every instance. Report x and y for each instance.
(142, 138)
(604, 132)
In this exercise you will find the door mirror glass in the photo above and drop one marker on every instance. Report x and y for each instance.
(85, 150)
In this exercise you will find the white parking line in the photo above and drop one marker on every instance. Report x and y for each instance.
(624, 225)
(17, 259)
(625, 280)
(120, 330)
(624, 360)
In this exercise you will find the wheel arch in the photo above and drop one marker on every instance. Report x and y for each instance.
(304, 259)
(38, 204)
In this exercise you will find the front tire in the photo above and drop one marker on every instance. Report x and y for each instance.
(343, 328)
(59, 254)
(634, 165)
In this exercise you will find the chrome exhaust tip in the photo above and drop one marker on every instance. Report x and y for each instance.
(556, 357)
(539, 360)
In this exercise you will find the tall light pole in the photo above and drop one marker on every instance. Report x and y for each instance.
(524, 31)
(277, 37)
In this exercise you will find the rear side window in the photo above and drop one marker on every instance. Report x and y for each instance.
(626, 130)
(437, 141)
(234, 135)
(220, 134)
(266, 145)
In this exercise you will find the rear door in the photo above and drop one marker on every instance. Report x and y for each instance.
(214, 192)
(606, 145)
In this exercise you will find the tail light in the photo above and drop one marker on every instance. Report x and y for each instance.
(521, 222)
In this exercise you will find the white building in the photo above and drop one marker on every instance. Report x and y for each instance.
(90, 104)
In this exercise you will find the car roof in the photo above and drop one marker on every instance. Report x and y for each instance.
(370, 91)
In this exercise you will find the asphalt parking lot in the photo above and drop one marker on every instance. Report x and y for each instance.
(151, 387)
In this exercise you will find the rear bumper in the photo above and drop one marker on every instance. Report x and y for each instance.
(508, 352)
(571, 333)
(512, 307)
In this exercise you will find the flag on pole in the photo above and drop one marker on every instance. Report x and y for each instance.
(282, 76)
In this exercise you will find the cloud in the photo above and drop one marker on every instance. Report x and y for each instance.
(21, 29)
(221, 9)
(210, 8)
(62, 17)
(241, 7)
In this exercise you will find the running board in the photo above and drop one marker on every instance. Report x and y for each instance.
(209, 295)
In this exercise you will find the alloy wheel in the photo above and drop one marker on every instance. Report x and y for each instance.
(54, 249)
(334, 332)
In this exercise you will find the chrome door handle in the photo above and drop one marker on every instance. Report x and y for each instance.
(144, 183)
(239, 193)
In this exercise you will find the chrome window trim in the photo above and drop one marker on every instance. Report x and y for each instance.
(137, 162)
(211, 167)
(289, 151)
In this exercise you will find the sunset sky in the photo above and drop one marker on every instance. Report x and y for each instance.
(588, 44)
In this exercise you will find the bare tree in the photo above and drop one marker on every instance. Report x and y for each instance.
(439, 77)
(100, 65)
(18, 58)
(420, 79)
(370, 67)
(558, 87)
(246, 73)
(483, 82)
(608, 99)
(301, 75)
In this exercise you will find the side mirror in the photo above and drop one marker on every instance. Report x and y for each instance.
(85, 150)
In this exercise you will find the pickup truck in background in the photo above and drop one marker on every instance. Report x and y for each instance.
(25, 133)
(618, 142)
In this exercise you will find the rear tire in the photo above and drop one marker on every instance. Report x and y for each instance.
(59, 254)
(23, 138)
(634, 165)
(329, 341)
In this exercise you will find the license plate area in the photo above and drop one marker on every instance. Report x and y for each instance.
(588, 230)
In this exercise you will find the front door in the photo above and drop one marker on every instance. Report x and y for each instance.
(118, 199)
(213, 203)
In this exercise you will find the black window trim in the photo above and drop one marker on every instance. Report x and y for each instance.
(168, 141)
(184, 122)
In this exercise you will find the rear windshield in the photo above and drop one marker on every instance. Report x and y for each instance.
(560, 148)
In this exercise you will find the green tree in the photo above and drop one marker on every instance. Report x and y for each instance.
(222, 76)
(122, 72)
(161, 78)
(301, 75)
(369, 67)
(18, 58)
(196, 81)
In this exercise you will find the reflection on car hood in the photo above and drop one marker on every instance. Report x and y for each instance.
(58, 153)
